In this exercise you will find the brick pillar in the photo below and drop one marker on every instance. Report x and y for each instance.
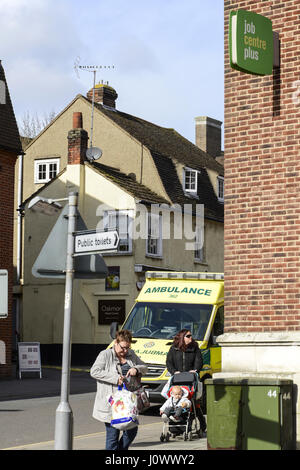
(262, 201)
(77, 141)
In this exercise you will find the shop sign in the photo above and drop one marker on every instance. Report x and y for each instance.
(111, 310)
(251, 42)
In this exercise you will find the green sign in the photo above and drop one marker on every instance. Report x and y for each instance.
(251, 42)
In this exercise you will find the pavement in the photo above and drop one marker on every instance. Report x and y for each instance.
(32, 386)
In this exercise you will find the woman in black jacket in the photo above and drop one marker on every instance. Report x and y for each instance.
(185, 355)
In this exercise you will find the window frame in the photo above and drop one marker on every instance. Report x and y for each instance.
(116, 226)
(47, 162)
(189, 190)
(152, 239)
(202, 252)
(220, 188)
(2, 92)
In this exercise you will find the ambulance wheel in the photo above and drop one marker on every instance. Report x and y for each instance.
(162, 438)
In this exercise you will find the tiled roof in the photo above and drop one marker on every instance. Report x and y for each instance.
(129, 184)
(9, 134)
(163, 140)
(168, 147)
(206, 195)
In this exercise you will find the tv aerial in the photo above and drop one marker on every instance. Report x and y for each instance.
(92, 153)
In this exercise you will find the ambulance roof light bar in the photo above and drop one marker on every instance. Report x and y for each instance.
(184, 275)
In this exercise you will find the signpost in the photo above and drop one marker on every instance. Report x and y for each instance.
(58, 259)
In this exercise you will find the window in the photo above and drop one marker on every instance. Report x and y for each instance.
(2, 92)
(221, 188)
(218, 328)
(154, 235)
(190, 180)
(122, 222)
(199, 252)
(45, 170)
(162, 320)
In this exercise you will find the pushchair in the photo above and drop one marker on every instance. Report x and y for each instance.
(189, 425)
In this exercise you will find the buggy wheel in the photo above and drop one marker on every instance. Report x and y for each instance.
(185, 436)
(190, 435)
(168, 437)
(162, 438)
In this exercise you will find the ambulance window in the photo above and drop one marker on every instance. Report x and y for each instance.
(141, 317)
(218, 328)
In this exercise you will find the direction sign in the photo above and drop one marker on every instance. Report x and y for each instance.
(96, 241)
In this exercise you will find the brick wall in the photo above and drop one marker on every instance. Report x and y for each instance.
(7, 162)
(262, 183)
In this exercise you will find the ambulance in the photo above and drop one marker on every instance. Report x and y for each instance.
(167, 303)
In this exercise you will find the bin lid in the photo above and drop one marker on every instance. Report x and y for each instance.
(249, 381)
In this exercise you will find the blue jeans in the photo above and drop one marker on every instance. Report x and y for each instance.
(112, 438)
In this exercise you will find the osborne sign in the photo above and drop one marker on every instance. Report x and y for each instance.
(251, 43)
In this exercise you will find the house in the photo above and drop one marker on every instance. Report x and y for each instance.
(148, 181)
(10, 148)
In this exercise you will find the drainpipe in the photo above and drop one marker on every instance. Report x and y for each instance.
(19, 231)
(19, 242)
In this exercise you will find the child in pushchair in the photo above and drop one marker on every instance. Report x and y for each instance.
(179, 411)
(176, 406)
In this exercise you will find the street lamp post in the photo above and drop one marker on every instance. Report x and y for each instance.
(64, 415)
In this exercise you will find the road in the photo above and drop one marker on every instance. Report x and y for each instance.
(29, 424)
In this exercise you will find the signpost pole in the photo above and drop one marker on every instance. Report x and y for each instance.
(64, 415)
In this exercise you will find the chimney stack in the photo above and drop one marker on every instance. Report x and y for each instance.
(77, 141)
(104, 94)
(209, 135)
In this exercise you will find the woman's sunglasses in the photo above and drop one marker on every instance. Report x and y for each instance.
(188, 336)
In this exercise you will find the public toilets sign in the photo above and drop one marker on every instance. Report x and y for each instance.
(251, 42)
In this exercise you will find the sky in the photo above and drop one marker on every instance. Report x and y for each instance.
(167, 56)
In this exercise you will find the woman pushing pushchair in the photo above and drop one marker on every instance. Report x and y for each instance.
(185, 356)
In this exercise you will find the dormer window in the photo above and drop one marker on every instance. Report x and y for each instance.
(190, 180)
(221, 188)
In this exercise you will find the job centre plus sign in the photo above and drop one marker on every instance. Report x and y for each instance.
(251, 43)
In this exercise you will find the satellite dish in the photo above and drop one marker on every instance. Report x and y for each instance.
(93, 153)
